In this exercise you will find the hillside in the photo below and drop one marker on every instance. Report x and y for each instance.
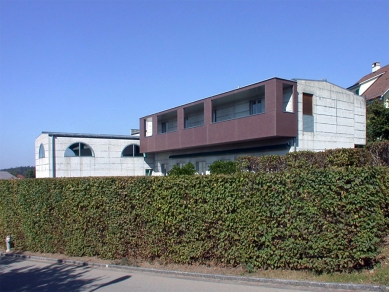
(26, 171)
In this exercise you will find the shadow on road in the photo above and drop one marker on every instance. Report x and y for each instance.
(52, 277)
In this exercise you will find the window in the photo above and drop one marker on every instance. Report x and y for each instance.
(308, 118)
(79, 149)
(194, 116)
(163, 169)
(287, 98)
(41, 151)
(131, 151)
(164, 126)
(307, 104)
(148, 127)
(167, 122)
(256, 107)
(201, 167)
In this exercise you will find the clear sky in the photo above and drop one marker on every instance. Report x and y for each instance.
(98, 66)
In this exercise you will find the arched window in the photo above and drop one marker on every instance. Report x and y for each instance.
(79, 149)
(131, 151)
(41, 151)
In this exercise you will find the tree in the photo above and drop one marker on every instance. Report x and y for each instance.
(30, 173)
(377, 122)
(187, 169)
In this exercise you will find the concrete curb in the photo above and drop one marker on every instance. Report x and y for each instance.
(345, 286)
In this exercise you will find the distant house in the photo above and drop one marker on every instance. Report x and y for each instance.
(6, 175)
(375, 85)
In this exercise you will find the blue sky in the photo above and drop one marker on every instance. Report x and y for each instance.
(98, 66)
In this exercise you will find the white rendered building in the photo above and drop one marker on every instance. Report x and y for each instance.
(274, 116)
(80, 155)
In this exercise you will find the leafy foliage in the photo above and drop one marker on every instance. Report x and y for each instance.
(223, 167)
(316, 219)
(375, 154)
(187, 169)
(377, 121)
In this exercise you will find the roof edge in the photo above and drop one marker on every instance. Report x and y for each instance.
(96, 136)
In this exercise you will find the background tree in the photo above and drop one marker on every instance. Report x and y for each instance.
(377, 122)
(30, 173)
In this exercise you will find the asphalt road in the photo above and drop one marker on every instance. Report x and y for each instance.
(26, 275)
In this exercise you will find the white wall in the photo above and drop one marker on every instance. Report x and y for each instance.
(42, 165)
(339, 117)
(107, 160)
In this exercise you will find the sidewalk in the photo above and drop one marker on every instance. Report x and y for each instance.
(76, 275)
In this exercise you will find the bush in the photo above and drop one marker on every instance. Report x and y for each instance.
(187, 169)
(379, 152)
(374, 154)
(222, 167)
(325, 220)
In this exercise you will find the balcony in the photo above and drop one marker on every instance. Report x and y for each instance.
(259, 112)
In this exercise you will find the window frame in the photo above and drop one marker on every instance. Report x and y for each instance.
(307, 104)
(254, 104)
(68, 149)
(41, 152)
(135, 151)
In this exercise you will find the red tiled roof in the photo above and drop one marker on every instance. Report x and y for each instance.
(380, 86)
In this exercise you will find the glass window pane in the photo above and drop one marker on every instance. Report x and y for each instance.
(128, 151)
(85, 150)
(41, 151)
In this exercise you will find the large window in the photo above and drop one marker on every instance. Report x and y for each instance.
(79, 149)
(167, 122)
(41, 151)
(307, 104)
(239, 104)
(148, 127)
(194, 116)
(308, 118)
(131, 151)
(201, 167)
(287, 98)
(257, 107)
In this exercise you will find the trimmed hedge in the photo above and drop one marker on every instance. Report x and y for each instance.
(374, 154)
(321, 219)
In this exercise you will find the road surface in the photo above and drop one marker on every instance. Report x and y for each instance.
(31, 275)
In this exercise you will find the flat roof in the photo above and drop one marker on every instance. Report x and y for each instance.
(96, 136)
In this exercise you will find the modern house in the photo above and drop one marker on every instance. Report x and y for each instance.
(78, 155)
(274, 116)
(374, 85)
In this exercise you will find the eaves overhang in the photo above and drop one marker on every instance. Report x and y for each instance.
(95, 136)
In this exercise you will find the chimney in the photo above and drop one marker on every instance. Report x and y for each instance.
(376, 66)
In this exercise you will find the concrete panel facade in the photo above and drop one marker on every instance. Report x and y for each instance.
(339, 117)
(106, 161)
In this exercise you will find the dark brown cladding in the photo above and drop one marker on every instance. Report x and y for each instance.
(262, 111)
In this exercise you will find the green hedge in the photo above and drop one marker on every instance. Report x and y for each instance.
(322, 220)
(374, 154)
